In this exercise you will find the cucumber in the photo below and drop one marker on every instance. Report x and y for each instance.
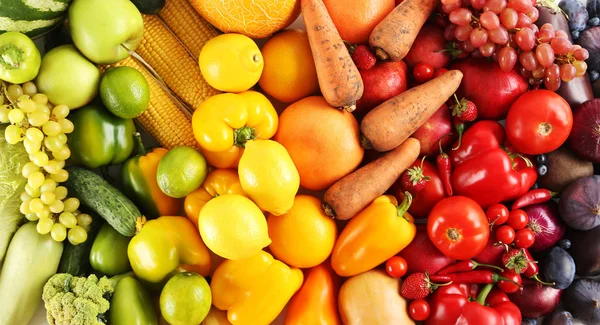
(104, 199)
(76, 258)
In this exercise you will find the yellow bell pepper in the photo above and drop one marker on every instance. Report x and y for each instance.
(378, 232)
(218, 182)
(223, 124)
(166, 245)
(254, 290)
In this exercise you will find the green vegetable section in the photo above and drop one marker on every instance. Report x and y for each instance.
(131, 304)
(75, 258)
(109, 252)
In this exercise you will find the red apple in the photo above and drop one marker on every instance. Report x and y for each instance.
(426, 48)
(430, 133)
(382, 82)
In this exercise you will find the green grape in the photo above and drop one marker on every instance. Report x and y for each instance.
(40, 99)
(34, 134)
(76, 213)
(44, 108)
(13, 92)
(45, 225)
(16, 116)
(36, 179)
(60, 111)
(84, 219)
(29, 88)
(53, 144)
(36, 205)
(38, 118)
(33, 192)
(22, 98)
(4, 110)
(57, 206)
(48, 197)
(67, 219)
(61, 176)
(66, 126)
(24, 208)
(71, 204)
(14, 134)
(49, 185)
(61, 192)
(63, 154)
(26, 104)
(31, 217)
(45, 213)
(62, 138)
(1, 99)
(32, 146)
(24, 196)
(53, 166)
(51, 128)
(77, 235)
(29, 169)
(40, 158)
(58, 232)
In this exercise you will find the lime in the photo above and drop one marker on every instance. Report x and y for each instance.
(185, 299)
(125, 92)
(181, 171)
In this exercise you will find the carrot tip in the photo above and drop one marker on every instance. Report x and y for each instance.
(350, 108)
(381, 54)
(365, 143)
(328, 210)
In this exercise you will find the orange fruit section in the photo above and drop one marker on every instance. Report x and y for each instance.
(356, 19)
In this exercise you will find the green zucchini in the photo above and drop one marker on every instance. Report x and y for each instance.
(75, 259)
(104, 199)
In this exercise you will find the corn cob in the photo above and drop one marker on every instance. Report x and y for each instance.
(191, 28)
(164, 52)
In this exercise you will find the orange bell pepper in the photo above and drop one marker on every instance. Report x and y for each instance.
(217, 182)
(316, 302)
(377, 233)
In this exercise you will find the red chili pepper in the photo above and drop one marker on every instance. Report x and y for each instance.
(444, 167)
(464, 266)
(474, 277)
(539, 195)
(532, 270)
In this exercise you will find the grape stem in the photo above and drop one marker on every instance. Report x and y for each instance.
(5, 91)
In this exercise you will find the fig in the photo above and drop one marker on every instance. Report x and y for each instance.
(585, 249)
(590, 40)
(579, 204)
(582, 299)
(585, 133)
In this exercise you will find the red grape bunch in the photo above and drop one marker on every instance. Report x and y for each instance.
(505, 31)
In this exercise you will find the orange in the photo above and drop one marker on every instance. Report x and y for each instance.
(304, 236)
(356, 19)
(289, 72)
(324, 142)
(253, 18)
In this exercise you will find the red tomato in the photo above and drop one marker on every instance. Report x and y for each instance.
(433, 192)
(497, 214)
(458, 227)
(423, 72)
(396, 267)
(524, 238)
(505, 234)
(514, 283)
(439, 72)
(539, 121)
(517, 219)
(419, 309)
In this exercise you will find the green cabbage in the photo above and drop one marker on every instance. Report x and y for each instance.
(12, 160)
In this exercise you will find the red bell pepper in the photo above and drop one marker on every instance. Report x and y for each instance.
(484, 171)
(451, 305)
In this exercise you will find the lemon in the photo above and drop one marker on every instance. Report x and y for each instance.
(125, 92)
(185, 299)
(233, 227)
(268, 176)
(231, 63)
(181, 171)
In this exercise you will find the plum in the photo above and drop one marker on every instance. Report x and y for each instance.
(590, 40)
(558, 267)
(529, 321)
(582, 299)
(559, 317)
(578, 15)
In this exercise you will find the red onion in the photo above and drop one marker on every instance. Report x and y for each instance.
(585, 134)
(547, 227)
(536, 300)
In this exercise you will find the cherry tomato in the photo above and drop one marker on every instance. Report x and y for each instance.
(505, 234)
(423, 72)
(540, 130)
(497, 214)
(433, 192)
(439, 72)
(396, 267)
(419, 309)
(510, 286)
(458, 227)
(517, 219)
(524, 238)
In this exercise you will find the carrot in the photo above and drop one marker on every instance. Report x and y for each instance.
(351, 194)
(389, 124)
(339, 79)
(395, 34)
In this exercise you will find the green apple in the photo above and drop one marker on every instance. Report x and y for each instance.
(105, 31)
(67, 77)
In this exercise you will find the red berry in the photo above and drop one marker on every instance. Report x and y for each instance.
(413, 180)
(465, 110)
(419, 309)
(416, 286)
(518, 219)
(524, 238)
(439, 72)
(363, 57)
(515, 260)
(423, 72)
(396, 267)
(505, 234)
(497, 214)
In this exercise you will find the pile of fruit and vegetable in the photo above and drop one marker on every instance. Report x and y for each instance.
(206, 162)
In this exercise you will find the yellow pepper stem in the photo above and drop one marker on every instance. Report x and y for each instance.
(140, 150)
(139, 224)
(243, 135)
(403, 207)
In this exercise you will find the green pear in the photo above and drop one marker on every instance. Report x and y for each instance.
(105, 31)
(67, 77)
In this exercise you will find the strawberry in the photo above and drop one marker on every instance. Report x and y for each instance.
(413, 180)
(416, 286)
(363, 57)
(465, 110)
(515, 260)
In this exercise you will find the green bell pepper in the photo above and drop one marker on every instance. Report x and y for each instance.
(131, 304)
(109, 252)
(100, 138)
(20, 60)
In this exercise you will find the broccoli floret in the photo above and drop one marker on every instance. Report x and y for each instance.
(71, 300)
